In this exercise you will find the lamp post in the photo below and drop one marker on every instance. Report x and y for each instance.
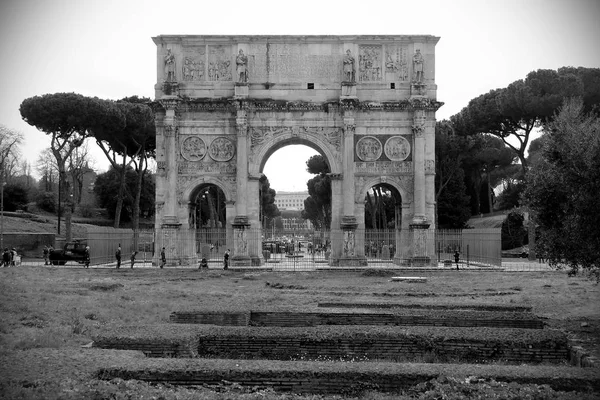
(59, 187)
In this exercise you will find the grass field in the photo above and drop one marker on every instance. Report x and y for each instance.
(47, 314)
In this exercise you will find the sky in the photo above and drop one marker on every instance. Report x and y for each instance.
(103, 48)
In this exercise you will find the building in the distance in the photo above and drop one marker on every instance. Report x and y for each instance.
(291, 200)
(292, 204)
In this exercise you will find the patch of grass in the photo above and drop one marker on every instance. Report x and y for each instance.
(378, 272)
(106, 287)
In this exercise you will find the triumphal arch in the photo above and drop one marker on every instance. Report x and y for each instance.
(224, 104)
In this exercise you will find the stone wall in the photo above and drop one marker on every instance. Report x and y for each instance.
(314, 319)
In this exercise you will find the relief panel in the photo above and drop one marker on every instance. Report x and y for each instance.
(219, 63)
(370, 61)
(221, 149)
(193, 64)
(368, 148)
(193, 148)
(396, 63)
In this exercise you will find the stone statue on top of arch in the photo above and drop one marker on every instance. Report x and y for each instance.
(241, 62)
(349, 69)
(169, 66)
(418, 62)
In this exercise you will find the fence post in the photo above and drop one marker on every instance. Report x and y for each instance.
(467, 256)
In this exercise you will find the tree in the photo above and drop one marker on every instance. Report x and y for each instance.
(317, 206)
(128, 140)
(268, 208)
(106, 191)
(9, 150)
(452, 202)
(48, 170)
(68, 118)
(513, 232)
(512, 113)
(562, 189)
(15, 197)
(77, 165)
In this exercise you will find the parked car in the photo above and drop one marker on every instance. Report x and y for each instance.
(72, 251)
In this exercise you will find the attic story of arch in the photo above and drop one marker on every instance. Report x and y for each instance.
(366, 103)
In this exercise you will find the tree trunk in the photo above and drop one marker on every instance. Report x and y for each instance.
(120, 194)
(141, 168)
(371, 205)
(489, 194)
(65, 189)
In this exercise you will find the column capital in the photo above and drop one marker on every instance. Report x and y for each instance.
(169, 102)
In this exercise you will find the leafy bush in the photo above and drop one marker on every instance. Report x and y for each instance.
(46, 201)
(15, 197)
(513, 231)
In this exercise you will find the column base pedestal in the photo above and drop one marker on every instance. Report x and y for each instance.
(240, 261)
(350, 261)
(349, 90)
(241, 90)
(420, 261)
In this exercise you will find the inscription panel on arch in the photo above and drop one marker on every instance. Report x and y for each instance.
(383, 167)
(285, 62)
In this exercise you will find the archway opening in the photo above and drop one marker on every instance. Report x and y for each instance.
(298, 177)
(208, 216)
(383, 218)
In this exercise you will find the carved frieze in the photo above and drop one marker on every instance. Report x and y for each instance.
(186, 167)
(161, 168)
(221, 149)
(261, 134)
(369, 148)
(193, 148)
(384, 167)
(332, 135)
(430, 166)
(219, 63)
(397, 148)
(370, 61)
(169, 130)
(193, 68)
(396, 62)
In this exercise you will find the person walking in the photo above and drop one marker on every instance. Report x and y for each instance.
(87, 256)
(46, 253)
(6, 258)
(133, 254)
(118, 256)
(226, 260)
(456, 257)
(163, 258)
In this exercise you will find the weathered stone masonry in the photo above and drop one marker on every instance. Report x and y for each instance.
(366, 103)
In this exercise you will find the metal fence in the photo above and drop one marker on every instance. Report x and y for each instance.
(307, 250)
(477, 247)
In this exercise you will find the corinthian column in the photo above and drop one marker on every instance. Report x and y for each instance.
(419, 224)
(170, 162)
(240, 224)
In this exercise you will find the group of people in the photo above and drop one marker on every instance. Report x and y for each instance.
(131, 258)
(9, 257)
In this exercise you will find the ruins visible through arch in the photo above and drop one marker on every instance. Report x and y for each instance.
(226, 103)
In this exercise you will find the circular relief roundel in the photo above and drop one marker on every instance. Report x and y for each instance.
(221, 149)
(369, 148)
(397, 148)
(193, 148)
